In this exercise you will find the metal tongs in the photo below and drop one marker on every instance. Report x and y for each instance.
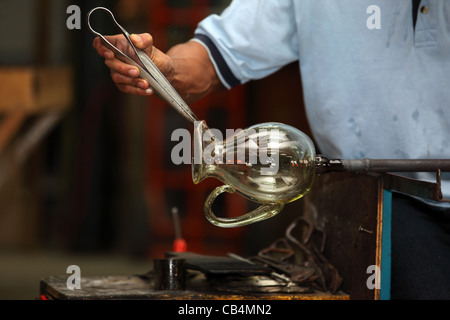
(147, 69)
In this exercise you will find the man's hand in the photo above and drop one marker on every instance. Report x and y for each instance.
(125, 76)
(187, 66)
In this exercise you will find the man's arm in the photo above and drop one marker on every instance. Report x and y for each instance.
(187, 66)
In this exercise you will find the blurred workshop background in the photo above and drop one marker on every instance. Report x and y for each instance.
(85, 171)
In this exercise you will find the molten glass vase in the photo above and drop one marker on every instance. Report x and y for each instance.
(269, 163)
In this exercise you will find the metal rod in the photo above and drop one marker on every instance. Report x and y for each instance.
(382, 165)
(176, 222)
(396, 165)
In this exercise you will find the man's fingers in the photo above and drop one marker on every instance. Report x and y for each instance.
(143, 41)
(102, 50)
(125, 76)
(122, 68)
(119, 78)
(134, 90)
(130, 85)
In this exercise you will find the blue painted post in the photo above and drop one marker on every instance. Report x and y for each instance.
(385, 280)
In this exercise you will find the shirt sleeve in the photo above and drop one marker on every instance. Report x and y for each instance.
(250, 40)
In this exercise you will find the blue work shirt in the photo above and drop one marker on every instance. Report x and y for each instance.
(374, 86)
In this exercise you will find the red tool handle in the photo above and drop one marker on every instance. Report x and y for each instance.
(179, 245)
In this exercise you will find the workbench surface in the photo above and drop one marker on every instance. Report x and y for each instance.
(141, 288)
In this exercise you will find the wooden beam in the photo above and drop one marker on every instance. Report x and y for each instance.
(10, 125)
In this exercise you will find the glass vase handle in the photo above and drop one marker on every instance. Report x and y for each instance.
(265, 211)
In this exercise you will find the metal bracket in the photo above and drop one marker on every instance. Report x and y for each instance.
(414, 187)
